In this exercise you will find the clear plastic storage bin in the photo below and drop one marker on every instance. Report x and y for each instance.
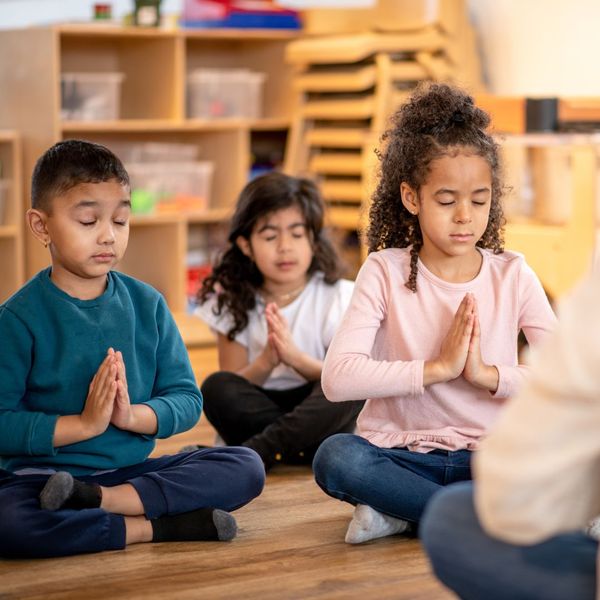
(225, 93)
(170, 187)
(4, 195)
(90, 96)
(155, 152)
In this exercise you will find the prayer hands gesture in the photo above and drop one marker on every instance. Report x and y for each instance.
(455, 347)
(107, 403)
(122, 414)
(460, 353)
(281, 347)
(280, 338)
(108, 398)
(98, 409)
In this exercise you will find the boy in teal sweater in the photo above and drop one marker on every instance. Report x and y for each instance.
(92, 372)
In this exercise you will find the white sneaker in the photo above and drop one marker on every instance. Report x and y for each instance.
(593, 528)
(368, 524)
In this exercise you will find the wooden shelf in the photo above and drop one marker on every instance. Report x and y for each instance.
(8, 231)
(270, 124)
(337, 163)
(240, 34)
(122, 126)
(214, 215)
(12, 260)
(155, 64)
(168, 125)
(109, 30)
(195, 332)
(560, 254)
(344, 217)
(112, 30)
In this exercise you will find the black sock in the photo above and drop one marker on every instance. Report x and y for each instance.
(204, 524)
(63, 491)
(267, 455)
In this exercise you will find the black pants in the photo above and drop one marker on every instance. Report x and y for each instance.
(281, 425)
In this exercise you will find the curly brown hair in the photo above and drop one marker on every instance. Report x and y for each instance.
(235, 278)
(437, 120)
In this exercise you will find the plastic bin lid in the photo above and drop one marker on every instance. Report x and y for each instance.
(94, 77)
(224, 74)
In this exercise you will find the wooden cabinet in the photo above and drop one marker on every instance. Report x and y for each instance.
(557, 231)
(12, 266)
(155, 65)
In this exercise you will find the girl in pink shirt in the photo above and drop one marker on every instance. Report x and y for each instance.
(430, 336)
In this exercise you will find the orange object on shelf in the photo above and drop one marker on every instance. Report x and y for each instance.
(181, 203)
(508, 113)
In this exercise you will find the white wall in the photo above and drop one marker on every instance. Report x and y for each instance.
(540, 47)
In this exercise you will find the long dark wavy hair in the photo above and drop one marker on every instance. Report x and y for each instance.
(235, 278)
(437, 120)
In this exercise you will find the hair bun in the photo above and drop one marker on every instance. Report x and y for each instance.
(436, 107)
(458, 117)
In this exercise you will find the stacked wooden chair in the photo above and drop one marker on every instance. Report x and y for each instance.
(348, 83)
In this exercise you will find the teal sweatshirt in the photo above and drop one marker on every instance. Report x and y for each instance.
(52, 344)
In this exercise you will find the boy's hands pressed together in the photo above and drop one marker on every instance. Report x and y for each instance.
(122, 414)
(98, 409)
(139, 418)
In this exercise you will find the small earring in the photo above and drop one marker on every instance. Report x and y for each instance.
(45, 243)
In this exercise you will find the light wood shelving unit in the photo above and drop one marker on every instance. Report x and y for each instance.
(558, 240)
(152, 108)
(12, 264)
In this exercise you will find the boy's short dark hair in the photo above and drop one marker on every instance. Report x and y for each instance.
(69, 163)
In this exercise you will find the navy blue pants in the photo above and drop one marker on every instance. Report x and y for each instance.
(394, 481)
(478, 567)
(224, 478)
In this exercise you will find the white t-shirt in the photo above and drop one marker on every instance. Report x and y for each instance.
(312, 318)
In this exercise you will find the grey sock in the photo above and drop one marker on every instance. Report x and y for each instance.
(193, 448)
(62, 490)
(225, 524)
(203, 524)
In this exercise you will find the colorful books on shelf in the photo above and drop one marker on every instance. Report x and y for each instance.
(237, 14)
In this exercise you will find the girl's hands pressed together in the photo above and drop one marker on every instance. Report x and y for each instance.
(460, 353)
(476, 371)
(455, 347)
(280, 337)
(269, 355)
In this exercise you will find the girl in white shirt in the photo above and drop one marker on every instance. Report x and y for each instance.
(275, 299)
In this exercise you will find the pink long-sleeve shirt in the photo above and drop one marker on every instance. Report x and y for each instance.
(388, 332)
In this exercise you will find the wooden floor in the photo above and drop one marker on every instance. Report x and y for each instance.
(290, 545)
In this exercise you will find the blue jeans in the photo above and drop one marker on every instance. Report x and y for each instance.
(479, 567)
(394, 481)
(225, 478)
